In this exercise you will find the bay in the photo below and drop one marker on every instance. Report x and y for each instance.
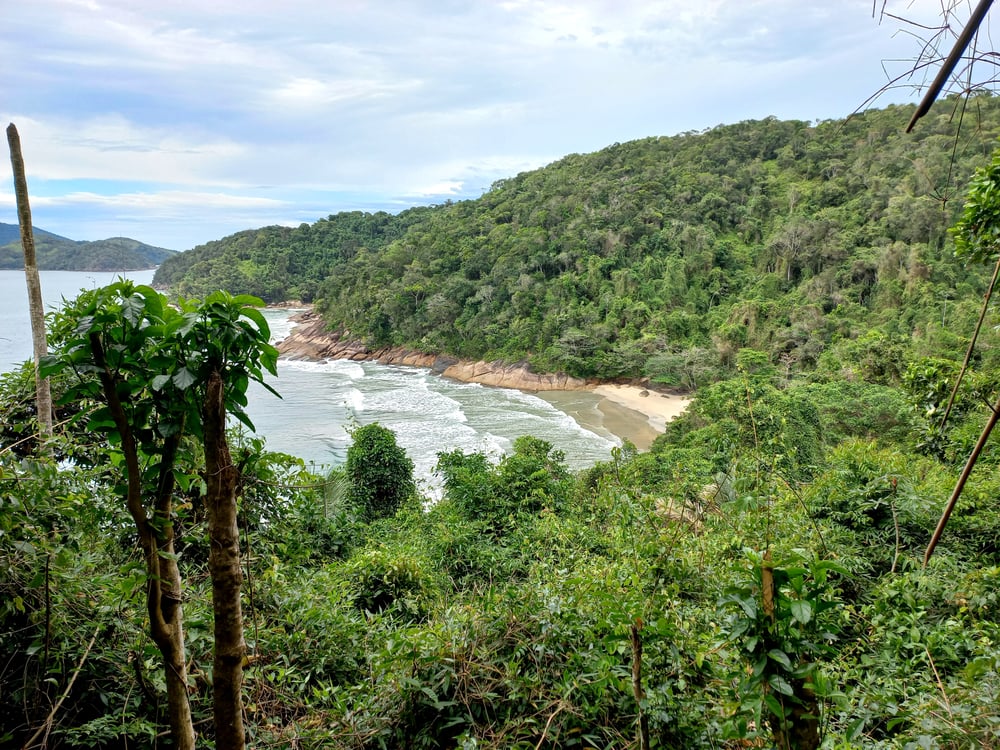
(322, 401)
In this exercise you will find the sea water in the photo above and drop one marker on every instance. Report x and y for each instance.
(321, 402)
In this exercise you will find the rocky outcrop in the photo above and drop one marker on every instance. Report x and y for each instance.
(514, 376)
(311, 340)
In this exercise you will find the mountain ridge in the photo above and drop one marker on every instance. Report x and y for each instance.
(56, 253)
(823, 246)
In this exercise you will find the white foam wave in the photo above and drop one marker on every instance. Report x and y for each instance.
(428, 414)
(341, 367)
(355, 400)
(417, 401)
(345, 367)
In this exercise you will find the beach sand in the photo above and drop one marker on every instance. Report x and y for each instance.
(619, 410)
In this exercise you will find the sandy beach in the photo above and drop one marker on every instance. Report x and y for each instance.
(620, 410)
(626, 412)
(659, 408)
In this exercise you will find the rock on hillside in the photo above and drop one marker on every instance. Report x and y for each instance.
(311, 340)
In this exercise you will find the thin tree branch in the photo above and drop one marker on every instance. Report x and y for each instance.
(47, 726)
(952, 60)
(972, 342)
(959, 486)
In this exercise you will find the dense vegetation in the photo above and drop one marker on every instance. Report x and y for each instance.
(281, 263)
(817, 244)
(531, 608)
(55, 253)
(754, 580)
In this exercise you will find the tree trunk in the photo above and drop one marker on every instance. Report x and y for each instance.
(799, 728)
(163, 578)
(43, 395)
(164, 602)
(224, 567)
(637, 692)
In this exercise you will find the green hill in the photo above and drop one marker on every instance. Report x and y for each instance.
(10, 234)
(55, 253)
(279, 263)
(822, 245)
(757, 578)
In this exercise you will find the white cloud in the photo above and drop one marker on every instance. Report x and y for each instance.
(399, 97)
(165, 203)
(310, 93)
(111, 147)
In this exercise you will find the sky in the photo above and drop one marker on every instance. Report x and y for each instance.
(179, 122)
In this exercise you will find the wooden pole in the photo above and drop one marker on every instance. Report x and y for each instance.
(962, 479)
(43, 394)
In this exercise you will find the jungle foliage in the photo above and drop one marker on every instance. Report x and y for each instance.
(754, 580)
(823, 245)
(282, 263)
(749, 584)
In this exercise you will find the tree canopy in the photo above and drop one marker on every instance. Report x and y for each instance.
(658, 258)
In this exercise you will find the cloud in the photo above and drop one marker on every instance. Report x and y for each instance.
(167, 203)
(111, 147)
(359, 104)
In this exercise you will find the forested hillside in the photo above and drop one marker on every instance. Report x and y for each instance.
(759, 578)
(55, 253)
(280, 263)
(11, 233)
(815, 243)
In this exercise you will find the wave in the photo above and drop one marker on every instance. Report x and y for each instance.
(428, 414)
(355, 400)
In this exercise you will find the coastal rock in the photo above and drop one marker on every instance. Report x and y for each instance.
(513, 376)
(311, 340)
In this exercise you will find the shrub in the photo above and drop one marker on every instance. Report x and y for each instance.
(524, 483)
(380, 472)
(381, 579)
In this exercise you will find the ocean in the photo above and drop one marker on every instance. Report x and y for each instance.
(322, 401)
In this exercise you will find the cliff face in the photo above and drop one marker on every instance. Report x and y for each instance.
(311, 340)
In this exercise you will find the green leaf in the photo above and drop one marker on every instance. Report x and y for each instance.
(781, 657)
(802, 610)
(780, 684)
(258, 318)
(242, 416)
(774, 705)
(184, 378)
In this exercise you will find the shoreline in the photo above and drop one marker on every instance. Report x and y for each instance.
(630, 412)
(658, 408)
(622, 412)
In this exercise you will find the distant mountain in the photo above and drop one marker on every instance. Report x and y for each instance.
(11, 234)
(55, 253)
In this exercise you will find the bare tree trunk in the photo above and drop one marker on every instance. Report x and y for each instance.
(167, 625)
(43, 395)
(224, 568)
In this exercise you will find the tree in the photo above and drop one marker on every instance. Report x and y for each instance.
(532, 478)
(43, 394)
(158, 374)
(381, 473)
